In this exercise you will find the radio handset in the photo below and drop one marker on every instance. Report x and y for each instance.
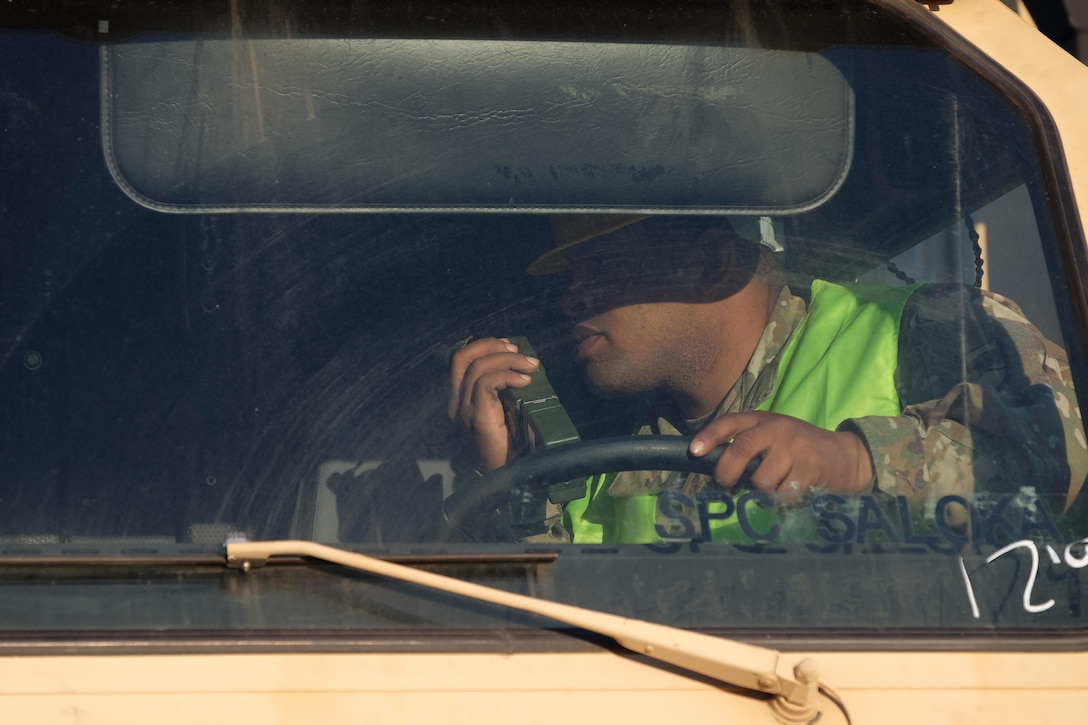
(541, 423)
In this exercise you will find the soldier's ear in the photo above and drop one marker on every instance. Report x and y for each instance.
(724, 266)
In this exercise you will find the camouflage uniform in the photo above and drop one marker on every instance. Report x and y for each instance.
(987, 405)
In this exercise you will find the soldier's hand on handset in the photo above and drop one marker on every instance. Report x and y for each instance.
(479, 372)
(796, 455)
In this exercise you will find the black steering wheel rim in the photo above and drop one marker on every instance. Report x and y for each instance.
(470, 507)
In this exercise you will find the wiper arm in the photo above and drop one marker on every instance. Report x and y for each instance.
(794, 683)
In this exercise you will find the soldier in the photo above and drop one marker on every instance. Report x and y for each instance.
(919, 391)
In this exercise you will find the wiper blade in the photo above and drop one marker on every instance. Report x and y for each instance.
(793, 682)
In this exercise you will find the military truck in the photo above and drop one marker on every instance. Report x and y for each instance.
(241, 241)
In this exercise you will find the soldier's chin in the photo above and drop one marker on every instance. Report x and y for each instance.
(606, 383)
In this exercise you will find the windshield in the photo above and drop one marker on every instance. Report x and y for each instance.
(247, 258)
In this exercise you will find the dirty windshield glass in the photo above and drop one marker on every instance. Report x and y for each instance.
(504, 283)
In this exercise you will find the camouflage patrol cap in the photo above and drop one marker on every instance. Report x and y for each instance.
(570, 230)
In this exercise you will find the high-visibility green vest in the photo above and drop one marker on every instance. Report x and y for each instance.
(839, 364)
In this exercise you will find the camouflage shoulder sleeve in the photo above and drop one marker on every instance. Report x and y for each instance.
(988, 405)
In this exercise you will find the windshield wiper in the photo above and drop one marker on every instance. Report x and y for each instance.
(793, 682)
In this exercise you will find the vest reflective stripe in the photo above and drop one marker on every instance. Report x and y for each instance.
(839, 364)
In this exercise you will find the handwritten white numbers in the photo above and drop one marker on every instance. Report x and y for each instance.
(1069, 557)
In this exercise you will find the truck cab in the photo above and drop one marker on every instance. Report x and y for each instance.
(241, 242)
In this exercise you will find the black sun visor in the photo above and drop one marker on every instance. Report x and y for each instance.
(200, 125)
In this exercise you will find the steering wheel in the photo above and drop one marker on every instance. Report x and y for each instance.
(471, 511)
